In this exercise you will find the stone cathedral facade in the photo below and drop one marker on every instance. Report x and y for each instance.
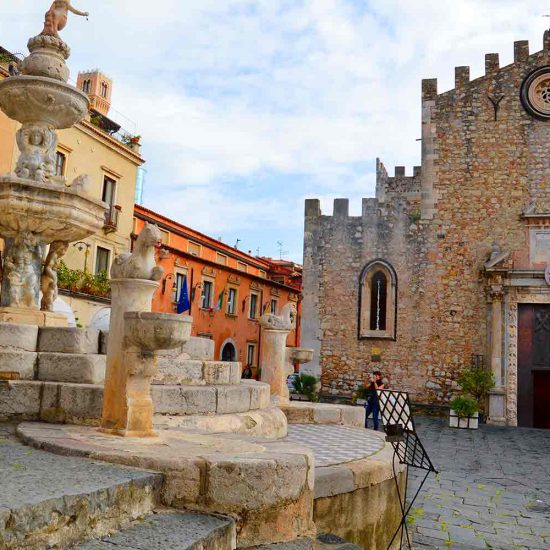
(446, 268)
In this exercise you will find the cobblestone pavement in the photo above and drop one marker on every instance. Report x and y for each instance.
(335, 444)
(493, 489)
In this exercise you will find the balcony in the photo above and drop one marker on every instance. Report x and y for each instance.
(114, 130)
(111, 219)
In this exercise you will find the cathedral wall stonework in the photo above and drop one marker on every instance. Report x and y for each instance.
(485, 162)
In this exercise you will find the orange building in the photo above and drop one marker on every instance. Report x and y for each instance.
(229, 290)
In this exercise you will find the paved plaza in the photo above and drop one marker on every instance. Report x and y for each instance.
(335, 444)
(493, 489)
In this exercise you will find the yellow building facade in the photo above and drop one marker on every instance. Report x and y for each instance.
(95, 147)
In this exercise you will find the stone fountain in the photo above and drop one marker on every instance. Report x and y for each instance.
(37, 207)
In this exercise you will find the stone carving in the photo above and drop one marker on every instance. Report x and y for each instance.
(19, 270)
(82, 183)
(56, 17)
(48, 280)
(496, 251)
(141, 263)
(38, 146)
(285, 321)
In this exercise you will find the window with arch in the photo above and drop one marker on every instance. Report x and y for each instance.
(104, 89)
(86, 86)
(378, 300)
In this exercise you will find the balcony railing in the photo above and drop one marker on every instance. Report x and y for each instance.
(111, 219)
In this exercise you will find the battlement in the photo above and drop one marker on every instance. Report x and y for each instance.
(492, 67)
(398, 185)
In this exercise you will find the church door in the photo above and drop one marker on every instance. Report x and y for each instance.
(534, 365)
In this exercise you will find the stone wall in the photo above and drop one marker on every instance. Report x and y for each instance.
(485, 161)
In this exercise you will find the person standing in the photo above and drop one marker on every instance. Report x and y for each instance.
(372, 405)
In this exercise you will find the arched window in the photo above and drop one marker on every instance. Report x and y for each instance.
(378, 300)
(86, 85)
(103, 89)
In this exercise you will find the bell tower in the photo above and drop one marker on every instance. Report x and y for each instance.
(98, 87)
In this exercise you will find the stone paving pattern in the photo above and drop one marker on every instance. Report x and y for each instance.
(335, 444)
(492, 490)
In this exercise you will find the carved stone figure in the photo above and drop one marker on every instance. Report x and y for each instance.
(141, 263)
(285, 321)
(38, 146)
(81, 183)
(48, 280)
(20, 272)
(56, 17)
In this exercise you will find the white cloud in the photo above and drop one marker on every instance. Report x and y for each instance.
(309, 91)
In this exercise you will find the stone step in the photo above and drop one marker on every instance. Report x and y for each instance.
(68, 340)
(57, 501)
(170, 530)
(190, 372)
(18, 364)
(76, 368)
(83, 403)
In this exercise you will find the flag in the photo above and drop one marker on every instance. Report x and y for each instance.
(220, 300)
(183, 303)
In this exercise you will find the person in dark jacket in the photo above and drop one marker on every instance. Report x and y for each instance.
(372, 406)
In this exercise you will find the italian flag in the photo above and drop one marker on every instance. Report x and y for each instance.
(220, 300)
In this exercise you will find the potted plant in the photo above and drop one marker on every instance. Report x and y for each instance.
(477, 382)
(464, 413)
(306, 385)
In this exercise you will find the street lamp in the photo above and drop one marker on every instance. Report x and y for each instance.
(81, 245)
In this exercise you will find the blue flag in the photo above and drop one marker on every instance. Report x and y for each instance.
(183, 303)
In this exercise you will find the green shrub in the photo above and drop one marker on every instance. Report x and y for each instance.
(306, 385)
(477, 382)
(464, 406)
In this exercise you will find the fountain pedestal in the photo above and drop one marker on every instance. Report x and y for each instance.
(38, 208)
(135, 337)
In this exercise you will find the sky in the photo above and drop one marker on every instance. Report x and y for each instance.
(248, 107)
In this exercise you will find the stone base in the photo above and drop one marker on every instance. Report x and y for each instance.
(497, 407)
(22, 316)
(267, 486)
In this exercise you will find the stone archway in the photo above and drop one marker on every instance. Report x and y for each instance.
(228, 351)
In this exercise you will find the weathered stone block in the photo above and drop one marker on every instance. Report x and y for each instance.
(233, 399)
(18, 337)
(199, 349)
(81, 403)
(184, 399)
(260, 395)
(216, 372)
(326, 414)
(176, 370)
(332, 481)
(353, 416)
(69, 367)
(68, 340)
(235, 373)
(22, 363)
(20, 399)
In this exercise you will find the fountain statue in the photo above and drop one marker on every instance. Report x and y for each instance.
(38, 207)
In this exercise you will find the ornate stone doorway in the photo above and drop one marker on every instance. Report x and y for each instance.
(534, 365)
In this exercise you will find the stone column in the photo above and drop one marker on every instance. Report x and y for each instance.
(127, 295)
(274, 358)
(497, 395)
(274, 363)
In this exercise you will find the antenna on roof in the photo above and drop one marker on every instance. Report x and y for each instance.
(237, 244)
(281, 251)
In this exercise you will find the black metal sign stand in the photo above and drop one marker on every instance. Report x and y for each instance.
(395, 409)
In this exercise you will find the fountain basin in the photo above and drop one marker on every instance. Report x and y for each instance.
(29, 99)
(50, 211)
(155, 331)
(300, 355)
